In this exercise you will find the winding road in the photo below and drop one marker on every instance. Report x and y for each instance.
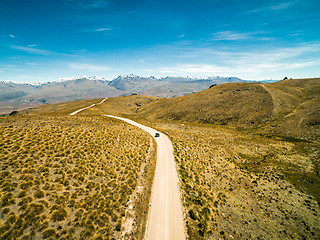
(165, 219)
(75, 112)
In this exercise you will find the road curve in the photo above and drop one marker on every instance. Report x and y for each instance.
(75, 112)
(165, 217)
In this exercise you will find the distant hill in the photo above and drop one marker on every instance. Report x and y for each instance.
(286, 108)
(166, 87)
(21, 96)
(15, 96)
(9, 90)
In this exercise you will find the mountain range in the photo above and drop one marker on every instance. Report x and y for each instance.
(17, 96)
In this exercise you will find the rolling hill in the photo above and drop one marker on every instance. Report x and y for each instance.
(288, 107)
(247, 155)
(21, 96)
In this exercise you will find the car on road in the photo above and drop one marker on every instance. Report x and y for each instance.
(157, 134)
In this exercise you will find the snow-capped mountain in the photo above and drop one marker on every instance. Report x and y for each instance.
(15, 96)
(83, 77)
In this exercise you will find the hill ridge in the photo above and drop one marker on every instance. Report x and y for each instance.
(14, 96)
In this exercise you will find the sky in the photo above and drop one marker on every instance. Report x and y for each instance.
(42, 40)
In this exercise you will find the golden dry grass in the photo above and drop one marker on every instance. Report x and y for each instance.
(69, 177)
(251, 172)
(244, 186)
(288, 108)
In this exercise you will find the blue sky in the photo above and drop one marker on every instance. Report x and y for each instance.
(44, 41)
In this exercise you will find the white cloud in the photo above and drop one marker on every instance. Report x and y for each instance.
(203, 69)
(272, 60)
(7, 66)
(12, 36)
(90, 67)
(33, 50)
(259, 63)
(30, 49)
(278, 7)
(103, 29)
(232, 36)
(283, 5)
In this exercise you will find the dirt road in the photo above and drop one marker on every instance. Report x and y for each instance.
(75, 112)
(165, 216)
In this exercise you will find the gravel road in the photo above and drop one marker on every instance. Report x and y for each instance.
(165, 214)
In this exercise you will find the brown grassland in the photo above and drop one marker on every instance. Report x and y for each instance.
(247, 155)
(71, 177)
(245, 186)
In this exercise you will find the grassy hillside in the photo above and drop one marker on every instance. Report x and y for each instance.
(235, 103)
(247, 156)
(289, 107)
(296, 108)
(23, 96)
(251, 171)
(72, 177)
(238, 185)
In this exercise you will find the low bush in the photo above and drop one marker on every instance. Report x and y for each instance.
(66, 169)
(59, 214)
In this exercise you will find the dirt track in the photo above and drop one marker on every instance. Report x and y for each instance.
(165, 215)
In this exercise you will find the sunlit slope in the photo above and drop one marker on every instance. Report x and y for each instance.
(289, 107)
(296, 107)
(238, 103)
(59, 108)
(71, 177)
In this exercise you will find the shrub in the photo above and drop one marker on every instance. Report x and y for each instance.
(44, 225)
(49, 232)
(5, 211)
(119, 225)
(26, 185)
(39, 194)
(22, 193)
(4, 229)
(7, 199)
(25, 200)
(45, 203)
(194, 214)
(5, 174)
(11, 219)
(36, 209)
(86, 234)
(59, 215)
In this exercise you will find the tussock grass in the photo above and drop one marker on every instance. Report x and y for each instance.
(245, 186)
(67, 176)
